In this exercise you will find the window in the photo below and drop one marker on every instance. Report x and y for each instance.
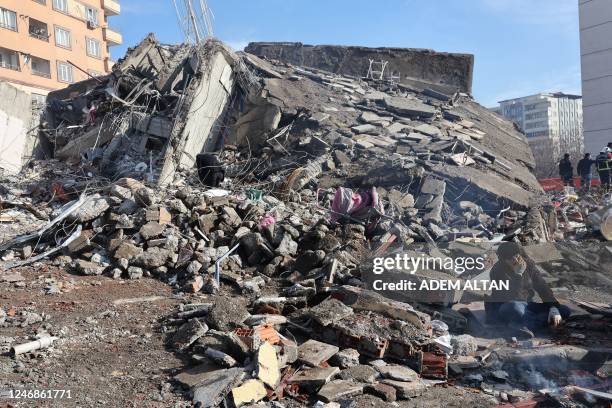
(93, 48)
(8, 19)
(62, 37)
(41, 67)
(9, 59)
(61, 5)
(92, 15)
(64, 72)
(38, 30)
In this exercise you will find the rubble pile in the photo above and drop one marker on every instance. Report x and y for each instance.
(317, 174)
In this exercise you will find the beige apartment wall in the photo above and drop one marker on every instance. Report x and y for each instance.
(75, 23)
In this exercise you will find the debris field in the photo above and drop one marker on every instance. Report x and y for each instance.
(202, 225)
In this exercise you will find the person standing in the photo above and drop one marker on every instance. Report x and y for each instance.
(604, 167)
(566, 171)
(584, 171)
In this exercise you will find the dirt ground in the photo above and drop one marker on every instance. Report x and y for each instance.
(108, 354)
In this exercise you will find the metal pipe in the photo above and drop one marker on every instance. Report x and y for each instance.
(218, 263)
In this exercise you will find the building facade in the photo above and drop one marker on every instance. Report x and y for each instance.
(552, 123)
(596, 62)
(48, 44)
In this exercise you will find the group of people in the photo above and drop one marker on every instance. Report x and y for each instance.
(603, 164)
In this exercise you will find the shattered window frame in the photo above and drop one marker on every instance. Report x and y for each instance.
(57, 28)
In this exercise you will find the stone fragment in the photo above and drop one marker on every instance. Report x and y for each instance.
(194, 285)
(213, 386)
(152, 258)
(464, 344)
(188, 333)
(135, 272)
(88, 268)
(268, 369)
(339, 389)
(346, 358)
(409, 107)
(359, 373)
(93, 207)
(144, 197)
(330, 310)
(151, 230)
(249, 392)
(314, 352)
(127, 250)
(382, 391)
(314, 377)
(220, 357)
(406, 390)
(227, 313)
(398, 372)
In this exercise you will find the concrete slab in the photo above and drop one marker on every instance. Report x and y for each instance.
(314, 352)
(339, 389)
(313, 377)
(214, 386)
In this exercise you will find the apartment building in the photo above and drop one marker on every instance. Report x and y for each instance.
(596, 62)
(552, 123)
(48, 44)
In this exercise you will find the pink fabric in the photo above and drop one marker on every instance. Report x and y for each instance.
(347, 202)
(266, 221)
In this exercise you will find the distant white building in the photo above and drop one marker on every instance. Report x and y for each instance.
(552, 123)
(596, 61)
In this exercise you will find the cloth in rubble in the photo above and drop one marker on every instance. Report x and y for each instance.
(363, 206)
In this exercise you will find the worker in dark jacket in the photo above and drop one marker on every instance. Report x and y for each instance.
(210, 169)
(516, 306)
(604, 168)
(584, 171)
(566, 171)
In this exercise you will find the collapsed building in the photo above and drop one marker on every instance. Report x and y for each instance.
(324, 169)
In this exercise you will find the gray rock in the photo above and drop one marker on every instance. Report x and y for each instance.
(127, 207)
(398, 372)
(409, 107)
(88, 268)
(152, 258)
(346, 358)
(92, 208)
(145, 197)
(135, 272)
(227, 313)
(193, 267)
(464, 345)
(188, 333)
(127, 250)
(120, 192)
(287, 246)
(151, 230)
(359, 373)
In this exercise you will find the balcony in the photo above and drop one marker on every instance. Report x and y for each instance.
(112, 37)
(112, 8)
(38, 30)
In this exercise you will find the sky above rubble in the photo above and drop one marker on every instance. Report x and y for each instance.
(521, 47)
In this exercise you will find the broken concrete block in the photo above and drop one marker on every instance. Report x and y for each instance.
(382, 391)
(314, 352)
(127, 250)
(93, 207)
(88, 268)
(213, 386)
(249, 392)
(188, 333)
(346, 358)
(409, 107)
(359, 373)
(268, 369)
(398, 372)
(195, 285)
(428, 130)
(144, 197)
(151, 230)
(220, 357)
(313, 377)
(464, 344)
(339, 389)
(227, 313)
(406, 390)
(135, 272)
(152, 258)
(330, 310)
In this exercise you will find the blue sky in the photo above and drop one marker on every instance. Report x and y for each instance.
(521, 47)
